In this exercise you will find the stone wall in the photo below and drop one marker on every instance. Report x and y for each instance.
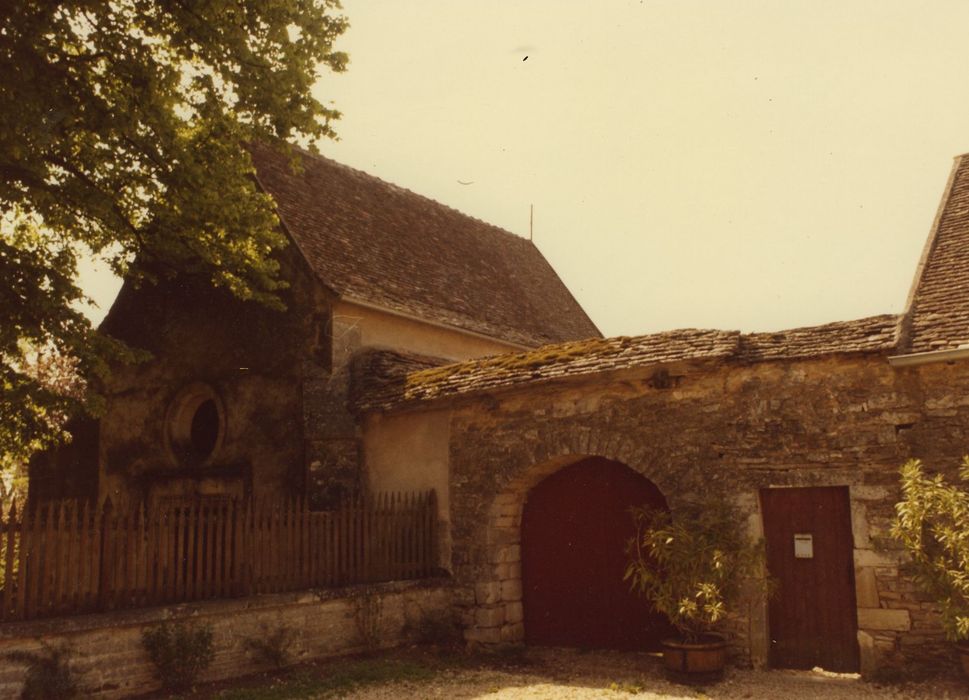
(334, 440)
(110, 662)
(843, 421)
(250, 358)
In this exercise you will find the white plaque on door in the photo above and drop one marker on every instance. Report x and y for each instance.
(803, 545)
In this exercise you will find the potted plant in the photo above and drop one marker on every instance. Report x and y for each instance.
(691, 566)
(932, 523)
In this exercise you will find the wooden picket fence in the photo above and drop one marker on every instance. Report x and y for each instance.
(65, 558)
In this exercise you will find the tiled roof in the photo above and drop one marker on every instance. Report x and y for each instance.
(872, 334)
(938, 313)
(378, 243)
(386, 380)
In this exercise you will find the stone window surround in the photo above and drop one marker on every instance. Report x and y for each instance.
(178, 420)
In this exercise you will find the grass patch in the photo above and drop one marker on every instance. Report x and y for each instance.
(338, 680)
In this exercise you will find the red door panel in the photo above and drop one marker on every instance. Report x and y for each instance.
(575, 527)
(813, 615)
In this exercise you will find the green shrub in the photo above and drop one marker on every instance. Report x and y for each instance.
(49, 675)
(179, 653)
(932, 522)
(435, 627)
(368, 609)
(691, 566)
(272, 648)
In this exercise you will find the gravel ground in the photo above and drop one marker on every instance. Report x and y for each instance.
(541, 674)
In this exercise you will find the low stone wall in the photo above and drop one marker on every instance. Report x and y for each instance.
(110, 662)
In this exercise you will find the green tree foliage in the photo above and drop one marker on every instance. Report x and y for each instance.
(932, 522)
(122, 134)
(691, 567)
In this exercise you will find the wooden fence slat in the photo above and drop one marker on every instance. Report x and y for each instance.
(62, 567)
(231, 583)
(141, 574)
(210, 556)
(65, 557)
(328, 563)
(430, 514)
(258, 553)
(244, 565)
(217, 552)
(316, 548)
(180, 554)
(197, 544)
(154, 555)
(87, 558)
(250, 551)
(411, 536)
(396, 540)
(169, 537)
(288, 548)
(363, 548)
(421, 536)
(270, 555)
(23, 562)
(294, 549)
(261, 555)
(286, 551)
(10, 545)
(131, 560)
(343, 542)
(48, 557)
(352, 540)
(104, 570)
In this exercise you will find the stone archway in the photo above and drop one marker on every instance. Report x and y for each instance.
(574, 533)
(495, 609)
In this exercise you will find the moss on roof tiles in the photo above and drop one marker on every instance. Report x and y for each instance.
(598, 355)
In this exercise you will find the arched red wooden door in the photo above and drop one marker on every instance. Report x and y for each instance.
(575, 526)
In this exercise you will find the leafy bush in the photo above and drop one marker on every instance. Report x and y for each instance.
(272, 648)
(368, 612)
(179, 653)
(932, 522)
(49, 675)
(435, 627)
(691, 566)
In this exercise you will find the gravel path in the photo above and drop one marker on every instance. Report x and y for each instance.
(566, 674)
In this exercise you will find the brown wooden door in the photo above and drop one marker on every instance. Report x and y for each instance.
(575, 526)
(813, 616)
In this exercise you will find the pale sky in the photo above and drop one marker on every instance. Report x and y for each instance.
(738, 165)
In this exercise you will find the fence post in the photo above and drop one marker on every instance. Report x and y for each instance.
(433, 562)
(104, 575)
(8, 570)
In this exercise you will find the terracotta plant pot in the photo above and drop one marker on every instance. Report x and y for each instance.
(702, 659)
(963, 649)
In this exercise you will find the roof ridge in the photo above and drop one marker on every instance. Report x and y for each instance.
(937, 313)
(817, 326)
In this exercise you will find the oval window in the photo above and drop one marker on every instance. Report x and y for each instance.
(196, 425)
